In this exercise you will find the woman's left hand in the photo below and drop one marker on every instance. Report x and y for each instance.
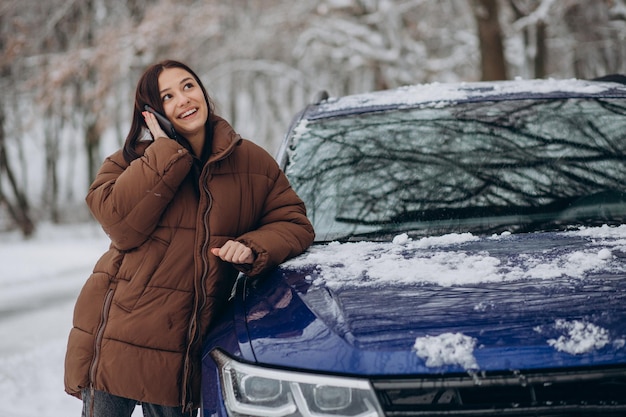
(234, 252)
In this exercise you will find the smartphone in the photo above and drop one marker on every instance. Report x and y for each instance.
(166, 125)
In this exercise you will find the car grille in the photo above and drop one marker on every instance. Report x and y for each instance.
(597, 392)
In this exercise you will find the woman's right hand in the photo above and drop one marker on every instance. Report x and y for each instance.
(153, 125)
(234, 252)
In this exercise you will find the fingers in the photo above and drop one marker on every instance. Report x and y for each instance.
(153, 125)
(234, 252)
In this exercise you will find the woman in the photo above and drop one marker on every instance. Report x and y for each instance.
(184, 217)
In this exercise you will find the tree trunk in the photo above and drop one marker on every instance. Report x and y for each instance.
(19, 209)
(541, 54)
(493, 65)
(92, 140)
(51, 191)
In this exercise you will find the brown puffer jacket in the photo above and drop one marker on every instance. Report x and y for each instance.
(141, 316)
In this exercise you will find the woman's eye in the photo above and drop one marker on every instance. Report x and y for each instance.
(166, 97)
(188, 86)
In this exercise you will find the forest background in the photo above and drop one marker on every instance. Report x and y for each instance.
(68, 68)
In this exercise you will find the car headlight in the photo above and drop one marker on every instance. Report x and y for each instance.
(250, 390)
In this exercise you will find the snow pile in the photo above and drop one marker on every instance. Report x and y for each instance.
(581, 337)
(574, 264)
(405, 261)
(374, 262)
(447, 349)
(604, 232)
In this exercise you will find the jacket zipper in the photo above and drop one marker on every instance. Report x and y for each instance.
(97, 346)
(192, 330)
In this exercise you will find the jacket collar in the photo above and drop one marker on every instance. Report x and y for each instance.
(224, 139)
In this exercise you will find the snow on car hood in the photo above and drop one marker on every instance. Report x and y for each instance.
(455, 303)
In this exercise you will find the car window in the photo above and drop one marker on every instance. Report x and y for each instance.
(480, 167)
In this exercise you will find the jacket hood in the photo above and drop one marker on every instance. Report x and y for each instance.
(455, 303)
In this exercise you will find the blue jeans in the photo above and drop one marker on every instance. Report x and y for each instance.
(109, 405)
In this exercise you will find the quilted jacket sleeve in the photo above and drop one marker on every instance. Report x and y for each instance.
(284, 230)
(128, 200)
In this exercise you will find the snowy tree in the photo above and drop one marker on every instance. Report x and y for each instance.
(69, 68)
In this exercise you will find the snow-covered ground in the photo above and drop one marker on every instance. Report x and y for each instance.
(39, 281)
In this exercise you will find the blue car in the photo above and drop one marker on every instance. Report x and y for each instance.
(470, 260)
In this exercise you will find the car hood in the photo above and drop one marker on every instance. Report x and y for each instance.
(454, 303)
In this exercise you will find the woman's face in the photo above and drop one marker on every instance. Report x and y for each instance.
(183, 102)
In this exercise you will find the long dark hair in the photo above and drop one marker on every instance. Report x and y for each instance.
(147, 92)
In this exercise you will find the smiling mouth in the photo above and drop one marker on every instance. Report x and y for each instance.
(187, 113)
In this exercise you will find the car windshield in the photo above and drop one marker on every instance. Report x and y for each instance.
(479, 167)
